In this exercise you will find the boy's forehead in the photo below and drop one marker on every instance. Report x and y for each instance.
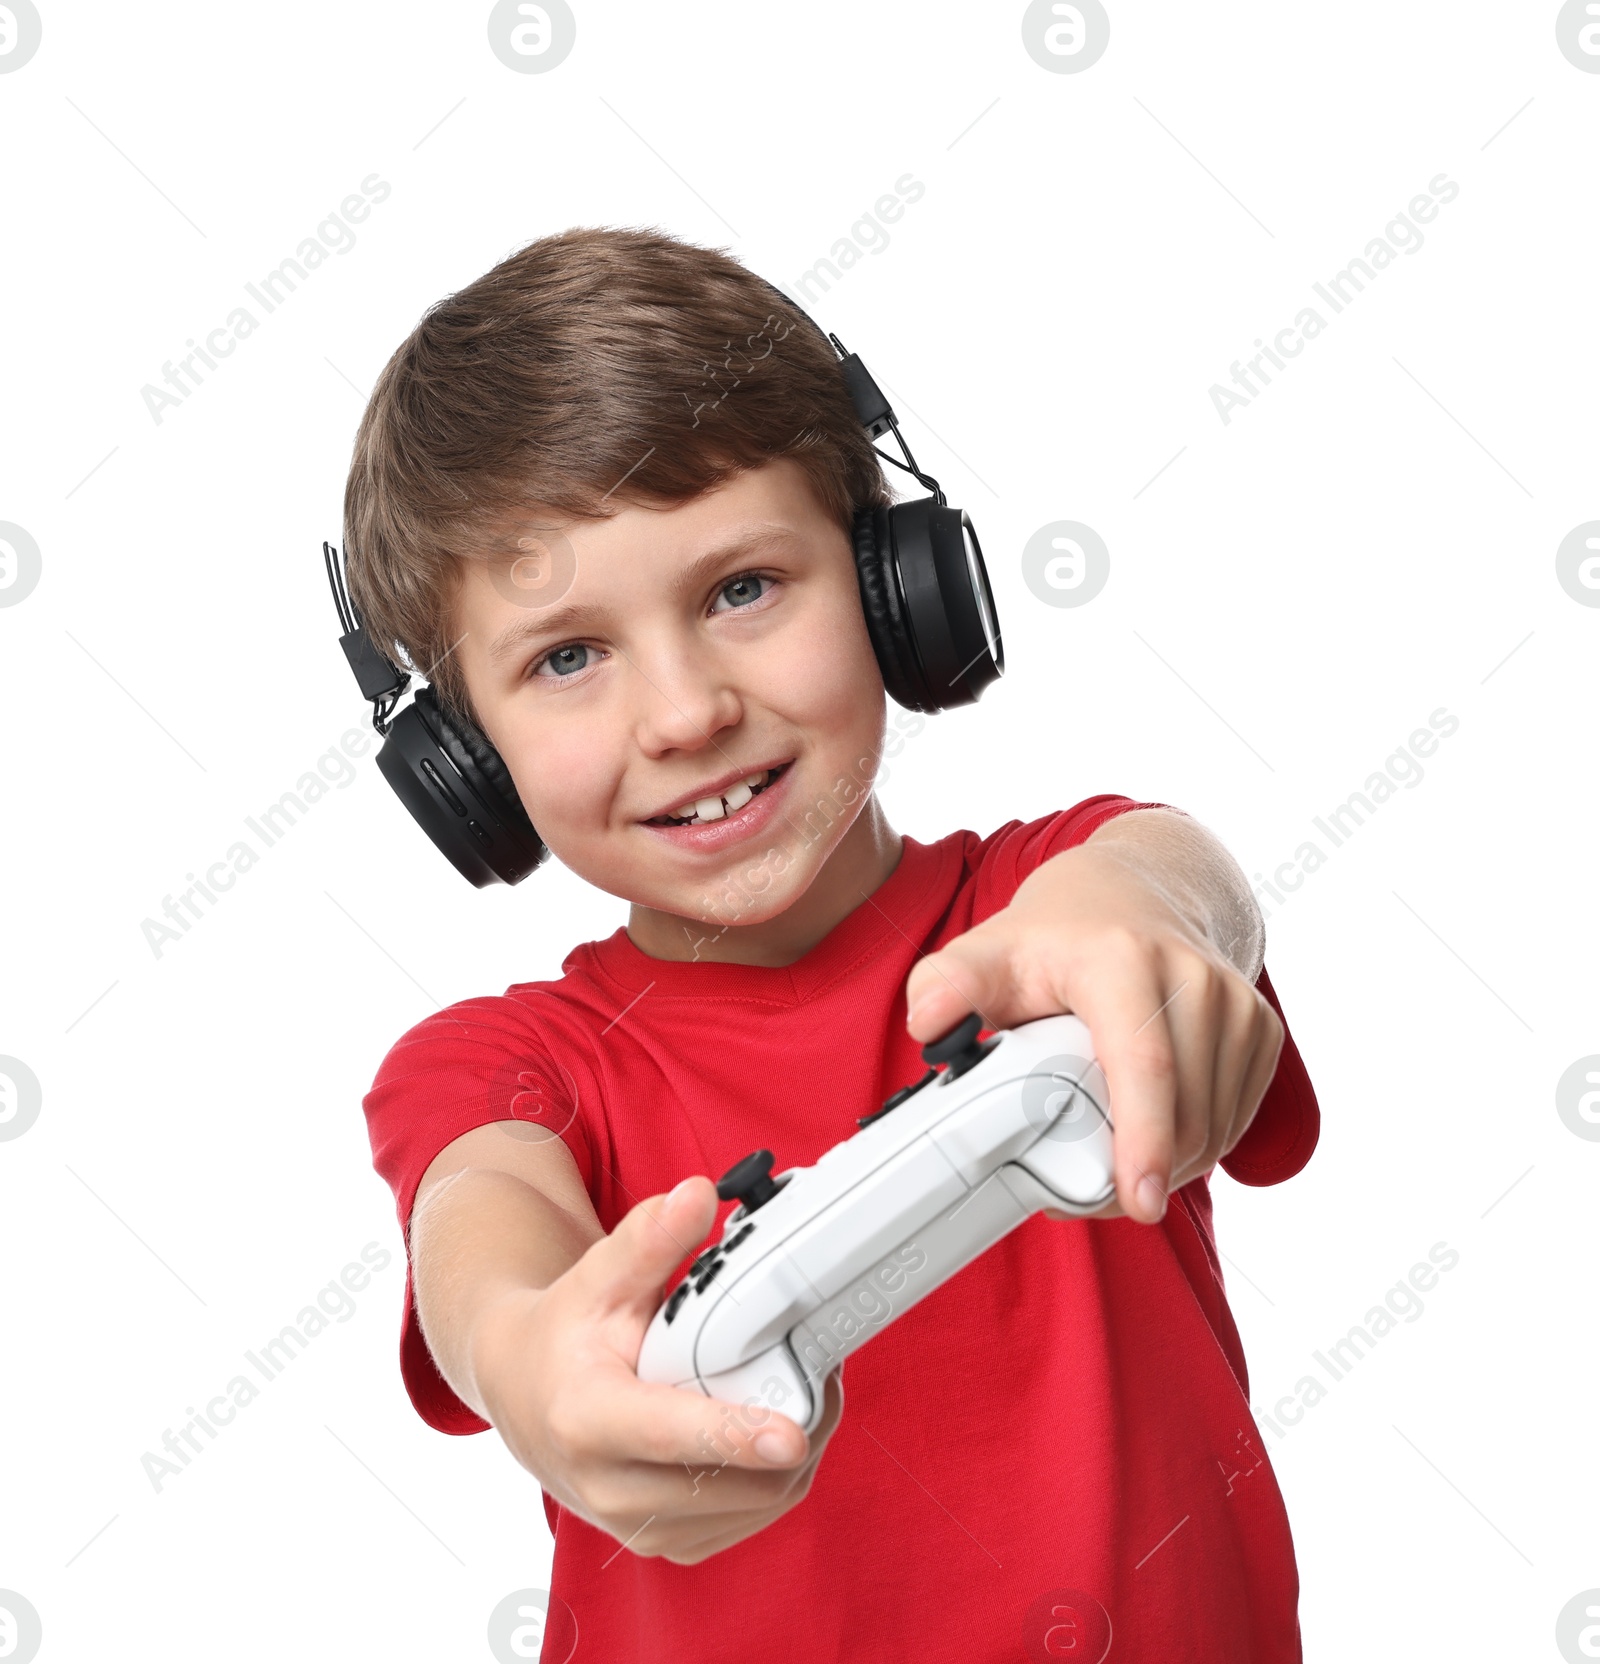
(780, 484)
(538, 557)
(774, 498)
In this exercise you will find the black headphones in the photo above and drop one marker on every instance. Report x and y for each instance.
(929, 613)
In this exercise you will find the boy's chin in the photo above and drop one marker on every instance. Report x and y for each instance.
(724, 899)
(737, 898)
(750, 888)
(729, 906)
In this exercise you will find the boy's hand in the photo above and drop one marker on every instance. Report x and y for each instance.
(664, 1470)
(1188, 1045)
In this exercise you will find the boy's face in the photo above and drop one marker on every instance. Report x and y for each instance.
(694, 653)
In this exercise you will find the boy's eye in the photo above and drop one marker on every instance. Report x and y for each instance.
(747, 587)
(563, 661)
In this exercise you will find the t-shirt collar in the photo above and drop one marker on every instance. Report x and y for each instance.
(888, 912)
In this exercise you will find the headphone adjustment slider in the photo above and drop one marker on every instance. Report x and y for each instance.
(377, 676)
(871, 406)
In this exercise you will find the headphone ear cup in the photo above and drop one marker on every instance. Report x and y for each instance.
(466, 746)
(948, 634)
(460, 792)
(884, 607)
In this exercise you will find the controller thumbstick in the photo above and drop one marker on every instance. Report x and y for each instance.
(959, 1048)
(749, 1181)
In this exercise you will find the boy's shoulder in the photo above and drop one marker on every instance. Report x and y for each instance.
(516, 1056)
(1015, 849)
(491, 1045)
(988, 869)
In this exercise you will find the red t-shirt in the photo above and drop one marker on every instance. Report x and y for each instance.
(1052, 1448)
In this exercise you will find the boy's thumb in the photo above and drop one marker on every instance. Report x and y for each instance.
(650, 1239)
(944, 987)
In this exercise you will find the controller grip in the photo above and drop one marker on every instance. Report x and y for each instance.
(771, 1380)
(1072, 1161)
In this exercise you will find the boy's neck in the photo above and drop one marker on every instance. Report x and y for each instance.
(866, 856)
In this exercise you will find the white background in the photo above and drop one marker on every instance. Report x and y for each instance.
(1373, 539)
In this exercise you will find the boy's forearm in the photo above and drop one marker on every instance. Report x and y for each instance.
(477, 1237)
(1200, 879)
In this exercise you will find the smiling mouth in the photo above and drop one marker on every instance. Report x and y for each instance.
(732, 799)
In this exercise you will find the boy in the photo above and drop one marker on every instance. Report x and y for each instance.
(1055, 1447)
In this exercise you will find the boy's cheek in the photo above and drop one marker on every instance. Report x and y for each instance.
(843, 697)
(571, 814)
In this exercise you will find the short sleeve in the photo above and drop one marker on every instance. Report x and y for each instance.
(1279, 1141)
(476, 1062)
(1006, 857)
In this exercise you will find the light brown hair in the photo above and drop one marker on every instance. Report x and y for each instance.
(590, 368)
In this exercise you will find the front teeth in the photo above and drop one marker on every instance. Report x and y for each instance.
(732, 800)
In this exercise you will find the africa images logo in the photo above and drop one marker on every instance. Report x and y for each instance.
(20, 34)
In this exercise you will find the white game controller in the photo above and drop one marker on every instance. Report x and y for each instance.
(817, 1260)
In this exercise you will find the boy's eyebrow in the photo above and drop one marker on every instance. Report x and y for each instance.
(562, 620)
(573, 617)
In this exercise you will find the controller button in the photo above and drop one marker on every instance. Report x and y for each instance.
(895, 1100)
(676, 1299)
(738, 1237)
(749, 1181)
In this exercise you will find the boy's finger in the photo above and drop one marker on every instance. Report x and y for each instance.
(732, 1524)
(1258, 1077)
(1229, 1084)
(1133, 1042)
(972, 974)
(647, 1422)
(628, 1268)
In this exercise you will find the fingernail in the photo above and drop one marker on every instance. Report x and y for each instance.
(680, 1188)
(911, 1012)
(773, 1447)
(1151, 1199)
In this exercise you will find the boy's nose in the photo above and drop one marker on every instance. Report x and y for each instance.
(684, 701)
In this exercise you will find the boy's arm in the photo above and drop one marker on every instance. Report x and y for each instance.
(496, 1214)
(1147, 930)
(534, 1316)
(1196, 875)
